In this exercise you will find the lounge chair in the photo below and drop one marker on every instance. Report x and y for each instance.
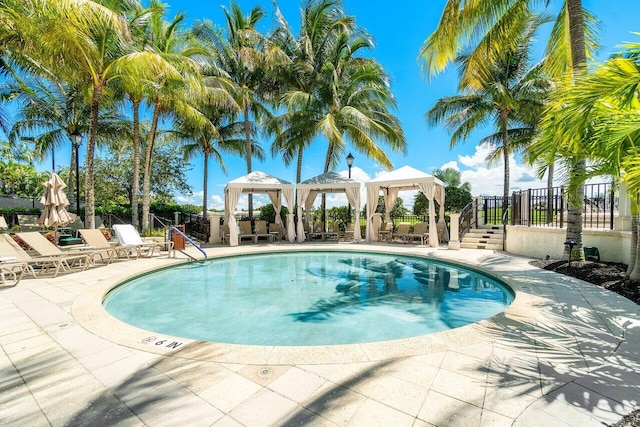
(276, 231)
(350, 231)
(29, 223)
(385, 232)
(261, 231)
(4, 227)
(403, 229)
(65, 261)
(225, 234)
(44, 248)
(96, 240)
(333, 232)
(419, 232)
(318, 230)
(11, 271)
(245, 232)
(129, 238)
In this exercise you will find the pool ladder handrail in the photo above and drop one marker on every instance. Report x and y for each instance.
(173, 229)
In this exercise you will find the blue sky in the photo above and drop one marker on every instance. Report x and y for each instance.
(398, 30)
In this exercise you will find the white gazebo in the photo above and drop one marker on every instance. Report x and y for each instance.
(405, 178)
(258, 182)
(329, 182)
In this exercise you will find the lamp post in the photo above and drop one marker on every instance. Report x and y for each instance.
(350, 160)
(77, 141)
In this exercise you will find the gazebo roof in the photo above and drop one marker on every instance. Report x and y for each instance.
(405, 177)
(259, 181)
(330, 182)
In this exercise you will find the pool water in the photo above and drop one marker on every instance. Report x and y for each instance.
(307, 298)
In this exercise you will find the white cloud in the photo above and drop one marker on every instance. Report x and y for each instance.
(194, 199)
(217, 202)
(488, 181)
(478, 158)
(451, 165)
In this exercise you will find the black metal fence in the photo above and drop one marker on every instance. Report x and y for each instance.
(544, 207)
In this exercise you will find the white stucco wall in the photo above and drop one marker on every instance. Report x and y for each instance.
(538, 242)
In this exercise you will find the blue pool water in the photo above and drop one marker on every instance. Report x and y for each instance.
(307, 298)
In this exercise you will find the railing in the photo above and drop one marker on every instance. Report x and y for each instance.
(197, 225)
(544, 207)
(468, 218)
(173, 229)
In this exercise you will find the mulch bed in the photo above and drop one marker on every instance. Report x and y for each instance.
(609, 275)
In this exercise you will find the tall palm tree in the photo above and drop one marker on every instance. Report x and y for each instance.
(51, 112)
(81, 43)
(243, 68)
(334, 92)
(134, 86)
(170, 97)
(598, 116)
(506, 92)
(491, 25)
(320, 24)
(211, 139)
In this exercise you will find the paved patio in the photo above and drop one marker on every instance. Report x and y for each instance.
(565, 353)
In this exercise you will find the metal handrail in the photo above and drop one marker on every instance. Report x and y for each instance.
(173, 229)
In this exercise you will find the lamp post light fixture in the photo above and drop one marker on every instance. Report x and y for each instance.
(77, 141)
(350, 160)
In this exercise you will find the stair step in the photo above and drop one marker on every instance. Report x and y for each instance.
(487, 246)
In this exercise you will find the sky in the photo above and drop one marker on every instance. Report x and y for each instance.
(398, 30)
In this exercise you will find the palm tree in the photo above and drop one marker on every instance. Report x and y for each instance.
(598, 116)
(82, 43)
(242, 68)
(52, 112)
(491, 26)
(320, 24)
(334, 93)
(505, 92)
(170, 97)
(216, 136)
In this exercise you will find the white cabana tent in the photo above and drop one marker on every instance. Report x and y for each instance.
(405, 178)
(258, 182)
(329, 182)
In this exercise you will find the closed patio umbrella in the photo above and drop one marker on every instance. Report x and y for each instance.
(54, 200)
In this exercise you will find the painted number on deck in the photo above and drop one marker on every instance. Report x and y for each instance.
(161, 342)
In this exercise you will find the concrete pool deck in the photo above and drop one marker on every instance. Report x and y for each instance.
(565, 353)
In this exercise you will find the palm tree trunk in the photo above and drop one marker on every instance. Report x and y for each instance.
(323, 205)
(89, 194)
(247, 148)
(550, 172)
(135, 185)
(578, 62)
(204, 185)
(146, 184)
(505, 154)
(633, 271)
(72, 174)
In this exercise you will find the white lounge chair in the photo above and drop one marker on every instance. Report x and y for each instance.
(129, 238)
(52, 263)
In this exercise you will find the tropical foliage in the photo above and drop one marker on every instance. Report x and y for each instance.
(70, 65)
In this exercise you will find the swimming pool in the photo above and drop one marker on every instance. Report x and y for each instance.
(307, 298)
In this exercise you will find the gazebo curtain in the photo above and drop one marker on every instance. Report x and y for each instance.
(276, 201)
(429, 190)
(442, 225)
(353, 197)
(303, 193)
(390, 197)
(372, 204)
(288, 200)
(232, 196)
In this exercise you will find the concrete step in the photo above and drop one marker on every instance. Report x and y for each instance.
(487, 246)
(482, 240)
